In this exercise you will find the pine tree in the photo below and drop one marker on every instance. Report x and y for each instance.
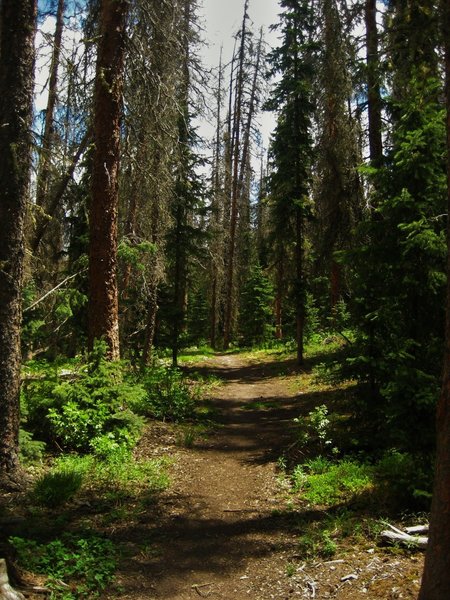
(103, 291)
(337, 190)
(147, 182)
(291, 147)
(399, 268)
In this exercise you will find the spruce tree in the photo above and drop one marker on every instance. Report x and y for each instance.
(291, 146)
(399, 268)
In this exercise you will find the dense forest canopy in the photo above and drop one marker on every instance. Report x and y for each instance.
(127, 235)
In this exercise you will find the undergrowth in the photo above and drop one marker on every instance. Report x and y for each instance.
(118, 475)
(76, 566)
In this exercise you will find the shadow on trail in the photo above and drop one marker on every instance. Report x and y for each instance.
(257, 424)
(214, 546)
(254, 425)
(251, 373)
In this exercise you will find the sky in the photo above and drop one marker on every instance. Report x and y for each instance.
(222, 19)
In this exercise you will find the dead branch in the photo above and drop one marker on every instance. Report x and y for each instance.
(53, 290)
(398, 536)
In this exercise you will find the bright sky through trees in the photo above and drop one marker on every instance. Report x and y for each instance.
(221, 22)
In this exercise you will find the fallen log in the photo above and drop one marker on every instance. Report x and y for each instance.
(401, 537)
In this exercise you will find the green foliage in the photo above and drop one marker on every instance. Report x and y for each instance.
(317, 543)
(85, 408)
(333, 483)
(77, 566)
(50, 325)
(407, 478)
(167, 395)
(30, 450)
(116, 474)
(398, 279)
(56, 488)
(316, 429)
(256, 308)
(137, 254)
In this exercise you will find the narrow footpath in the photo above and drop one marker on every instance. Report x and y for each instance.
(227, 527)
(220, 531)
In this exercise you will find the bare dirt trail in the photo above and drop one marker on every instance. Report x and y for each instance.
(225, 529)
(221, 532)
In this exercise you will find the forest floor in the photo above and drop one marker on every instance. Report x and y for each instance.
(228, 527)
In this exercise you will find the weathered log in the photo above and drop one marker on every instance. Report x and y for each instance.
(404, 538)
(6, 591)
(417, 529)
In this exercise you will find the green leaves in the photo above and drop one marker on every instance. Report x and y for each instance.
(77, 567)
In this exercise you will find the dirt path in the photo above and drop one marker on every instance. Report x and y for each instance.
(220, 534)
(224, 529)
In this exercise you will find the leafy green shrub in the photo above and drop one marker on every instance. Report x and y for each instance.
(92, 403)
(86, 564)
(317, 542)
(316, 428)
(168, 395)
(57, 488)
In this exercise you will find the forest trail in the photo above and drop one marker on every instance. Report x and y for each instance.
(226, 528)
(221, 532)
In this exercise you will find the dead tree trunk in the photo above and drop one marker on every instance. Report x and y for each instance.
(43, 177)
(216, 214)
(235, 187)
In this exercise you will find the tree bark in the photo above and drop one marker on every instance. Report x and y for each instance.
(18, 18)
(235, 188)
(43, 177)
(279, 296)
(103, 292)
(436, 576)
(216, 211)
(373, 85)
(300, 295)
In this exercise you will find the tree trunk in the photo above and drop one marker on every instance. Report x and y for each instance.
(335, 281)
(235, 189)
(181, 210)
(279, 296)
(373, 85)
(215, 217)
(299, 296)
(16, 82)
(436, 576)
(103, 294)
(43, 177)
(152, 310)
